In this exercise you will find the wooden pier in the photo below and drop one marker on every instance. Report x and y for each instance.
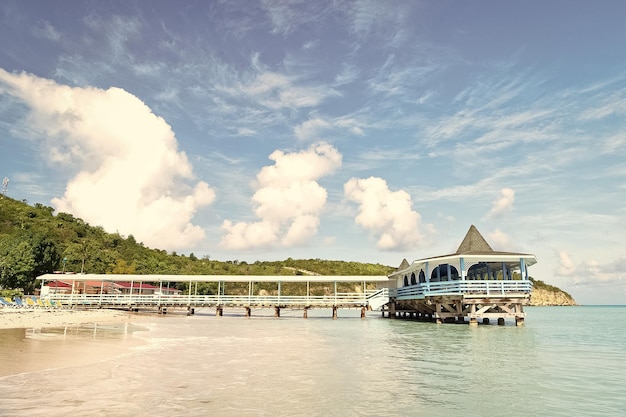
(473, 284)
(155, 291)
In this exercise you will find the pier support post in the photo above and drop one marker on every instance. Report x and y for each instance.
(334, 312)
(501, 321)
(392, 310)
(362, 312)
(306, 313)
(519, 321)
(438, 319)
(248, 311)
(485, 320)
(473, 322)
(276, 311)
(218, 311)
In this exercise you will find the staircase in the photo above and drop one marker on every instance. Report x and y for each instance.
(378, 298)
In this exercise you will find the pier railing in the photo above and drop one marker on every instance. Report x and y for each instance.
(338, 299)
(467, 288)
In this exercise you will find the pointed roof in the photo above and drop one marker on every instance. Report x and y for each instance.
(403, 265)
(473, 245)
(473, 242)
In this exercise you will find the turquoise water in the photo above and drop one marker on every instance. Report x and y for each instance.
(565, 361)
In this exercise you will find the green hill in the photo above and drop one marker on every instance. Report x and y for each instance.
(35, 241)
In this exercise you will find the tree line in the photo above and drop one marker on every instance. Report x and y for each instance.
(35, 241)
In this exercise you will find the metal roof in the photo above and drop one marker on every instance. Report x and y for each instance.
(213, 278)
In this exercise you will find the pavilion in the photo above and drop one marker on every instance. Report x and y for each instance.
(475, 282)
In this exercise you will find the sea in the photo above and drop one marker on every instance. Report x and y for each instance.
(565, 361)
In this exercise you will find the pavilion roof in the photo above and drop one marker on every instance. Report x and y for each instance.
(473, 245)
(473, 242)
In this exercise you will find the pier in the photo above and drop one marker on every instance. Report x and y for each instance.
(473, 285)
(231, 291)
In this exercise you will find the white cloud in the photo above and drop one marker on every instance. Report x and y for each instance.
(313, 128)
(502, 205)
(566, 266)
(277, 91)
(387, 214)
(590, 272)
(47, 31)
(500, 241)
(131, 176)
(288, 200)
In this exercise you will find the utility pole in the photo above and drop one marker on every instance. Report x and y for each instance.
(5, 185)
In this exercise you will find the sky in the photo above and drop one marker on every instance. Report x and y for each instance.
(361, 131)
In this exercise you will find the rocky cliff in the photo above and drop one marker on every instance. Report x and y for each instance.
(550, 297)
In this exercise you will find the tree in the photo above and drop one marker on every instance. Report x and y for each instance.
(46, 255)
(17, 264)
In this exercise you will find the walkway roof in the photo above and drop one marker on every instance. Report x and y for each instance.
(212, 278)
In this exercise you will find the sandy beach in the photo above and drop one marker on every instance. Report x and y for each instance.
(34, 318)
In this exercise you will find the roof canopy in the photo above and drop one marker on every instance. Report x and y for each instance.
(212, 278)
(475, 248)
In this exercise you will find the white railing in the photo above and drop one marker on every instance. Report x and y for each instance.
(377, 298)
(467, 288)
(345, 299)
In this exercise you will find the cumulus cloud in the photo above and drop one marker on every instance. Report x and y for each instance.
(131, 177)
(387, 214)
(288, 199)
(502, 205)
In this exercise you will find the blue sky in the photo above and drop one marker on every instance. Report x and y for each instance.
(353, 130)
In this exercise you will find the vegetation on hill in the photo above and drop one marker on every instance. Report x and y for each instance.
(548, 295)
(35, 241)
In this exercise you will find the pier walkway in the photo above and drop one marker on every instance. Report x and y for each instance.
(157, 291)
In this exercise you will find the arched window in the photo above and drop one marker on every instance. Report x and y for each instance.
(443, 273)
(478, 271)
(406, 281)
(413, 282)
(422, 276)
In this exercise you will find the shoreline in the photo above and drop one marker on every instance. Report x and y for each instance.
(33, 340)
(38, 318)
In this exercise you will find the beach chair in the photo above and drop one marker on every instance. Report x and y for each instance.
(19, 302)
(5, 302)
(39, 302)
(30, 303)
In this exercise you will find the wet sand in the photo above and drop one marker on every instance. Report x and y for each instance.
(33, 318)
(37, 340)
